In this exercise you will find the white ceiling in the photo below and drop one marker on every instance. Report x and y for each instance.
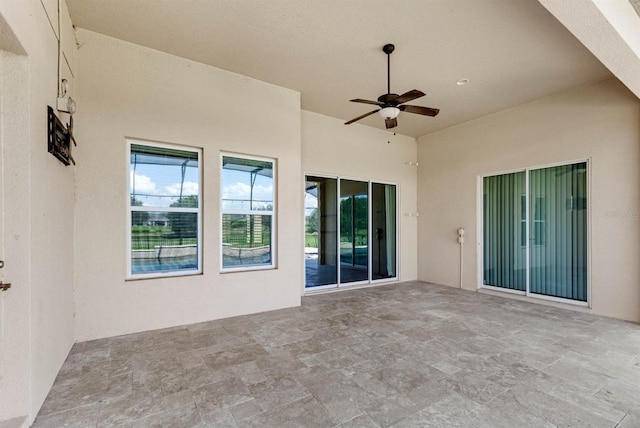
(512, 51)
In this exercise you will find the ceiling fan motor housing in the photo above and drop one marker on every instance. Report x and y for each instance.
(388, 99)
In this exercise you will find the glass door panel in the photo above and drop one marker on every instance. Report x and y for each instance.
(383, 225)
(354, 231)
(321, 231)
(558, 231)
(504, 221)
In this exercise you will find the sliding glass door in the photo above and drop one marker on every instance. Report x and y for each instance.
(535, 232)
(558, 231)
(354, 231)
(505, 239)
(383, 225)
(350, 232)
(321, 225)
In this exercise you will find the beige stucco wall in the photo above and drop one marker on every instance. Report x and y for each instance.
(600, 122)
(360, 152)
(38, 208)
(125, 90)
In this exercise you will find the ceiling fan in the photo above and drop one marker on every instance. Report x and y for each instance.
(392, 104)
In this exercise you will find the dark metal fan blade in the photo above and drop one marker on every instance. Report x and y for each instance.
(361, 117)
(358, 100)
(409, 96)
(426, 111)
(391, 123)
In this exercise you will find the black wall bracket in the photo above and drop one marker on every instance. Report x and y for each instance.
(60, 138)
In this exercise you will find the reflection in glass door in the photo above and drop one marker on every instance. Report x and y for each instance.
(350, 232)
(383, 226)
(320, 243)
(354, 231)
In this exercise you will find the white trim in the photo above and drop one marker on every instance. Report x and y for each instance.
(355, 286)
(589, 230)
(271, 213)
(560, 299)
(480, 232)
(354, 283)
(527, 232)
(127, 195)
(504, 290)
(531, 299)
(510, 171)
(129, 275)
(247, 268)
(311, 290)
(338, 221)
(384, 280)
(247, 212)
(369, 232)
(541, 166)
(164, 209)
(160, 275)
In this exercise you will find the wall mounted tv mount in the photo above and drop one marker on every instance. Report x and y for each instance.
(60, 138)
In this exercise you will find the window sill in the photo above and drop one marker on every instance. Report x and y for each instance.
(162, 275)
(247, 269)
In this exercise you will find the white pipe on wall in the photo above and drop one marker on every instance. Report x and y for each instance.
(461, 242)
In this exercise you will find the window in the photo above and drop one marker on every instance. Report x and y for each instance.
(164, 210)
(248, 213)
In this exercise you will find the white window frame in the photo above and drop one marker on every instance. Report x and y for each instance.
(182, 272)
(272, 213)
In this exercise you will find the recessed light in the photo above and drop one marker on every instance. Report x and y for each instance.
(462, 82)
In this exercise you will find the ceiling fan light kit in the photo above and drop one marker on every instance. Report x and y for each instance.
(392, 104)
(389, 112)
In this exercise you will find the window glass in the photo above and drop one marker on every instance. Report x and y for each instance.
(247, 212)
(164, 200)
(354, 231)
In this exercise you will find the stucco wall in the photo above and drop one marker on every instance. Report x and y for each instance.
(126, 90)
(360, 152)
(38, 209)
(600, 122)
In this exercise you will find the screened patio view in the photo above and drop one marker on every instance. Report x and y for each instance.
(164, 199)
(247, 212)
(339, 248)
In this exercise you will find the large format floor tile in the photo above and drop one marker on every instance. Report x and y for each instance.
(402, 355)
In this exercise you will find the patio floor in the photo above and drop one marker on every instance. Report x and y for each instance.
(403, 355)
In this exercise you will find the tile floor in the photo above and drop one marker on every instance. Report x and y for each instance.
(403, 355)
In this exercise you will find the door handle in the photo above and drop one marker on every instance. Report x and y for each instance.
(4, 287)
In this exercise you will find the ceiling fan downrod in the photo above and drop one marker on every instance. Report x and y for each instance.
(388, 49)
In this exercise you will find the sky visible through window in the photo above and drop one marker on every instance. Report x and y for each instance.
(237, 190)
(159, 185)
(155, 185)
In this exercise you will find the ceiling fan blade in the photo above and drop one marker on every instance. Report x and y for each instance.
(391, 123)
(409, 96)
(361, 117)
(358, 100)
(426, 111)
